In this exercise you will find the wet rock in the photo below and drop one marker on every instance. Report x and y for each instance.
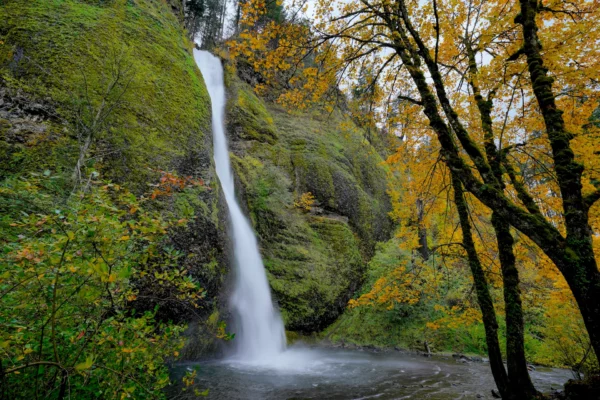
(461, 357)
(477, 359)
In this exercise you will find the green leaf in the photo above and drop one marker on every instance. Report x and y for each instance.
(125, 272)
(87, 364)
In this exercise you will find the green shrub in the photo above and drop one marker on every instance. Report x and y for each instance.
(68, 289)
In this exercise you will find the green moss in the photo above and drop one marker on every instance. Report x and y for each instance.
(70, 50)
(188, 204)
(377, 326)
(249, 118)
(331, 159)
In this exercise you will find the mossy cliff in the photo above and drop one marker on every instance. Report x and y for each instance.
(62, 63)
(315, 256)
(67, 53)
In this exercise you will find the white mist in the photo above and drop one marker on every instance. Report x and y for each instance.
(260, 336)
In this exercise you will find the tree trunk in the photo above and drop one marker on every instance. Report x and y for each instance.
(578, 263)
(581, 273)
(422, 231)
(521, 386)
(484, 298)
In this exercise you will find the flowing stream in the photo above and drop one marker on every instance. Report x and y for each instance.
(260, 334)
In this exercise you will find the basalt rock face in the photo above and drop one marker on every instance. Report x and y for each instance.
(64, 63)
(315, 252)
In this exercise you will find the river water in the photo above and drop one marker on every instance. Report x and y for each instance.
(324, 373)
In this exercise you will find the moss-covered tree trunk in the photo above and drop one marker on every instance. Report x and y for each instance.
(484, 298)
(578, 263)
(521, 386)
(422, 231)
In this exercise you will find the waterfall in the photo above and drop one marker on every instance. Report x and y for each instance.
(260, 334)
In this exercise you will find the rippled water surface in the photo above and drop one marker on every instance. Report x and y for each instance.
(350, 374)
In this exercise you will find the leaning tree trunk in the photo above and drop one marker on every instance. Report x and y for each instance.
(578, 263)
(484, 298)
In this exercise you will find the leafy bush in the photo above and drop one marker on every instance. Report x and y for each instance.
(305, 202)
(69, 268)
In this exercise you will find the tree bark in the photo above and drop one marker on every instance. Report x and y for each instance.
(521, 386)
(422, 231)
(578, 265)
(484, 298)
